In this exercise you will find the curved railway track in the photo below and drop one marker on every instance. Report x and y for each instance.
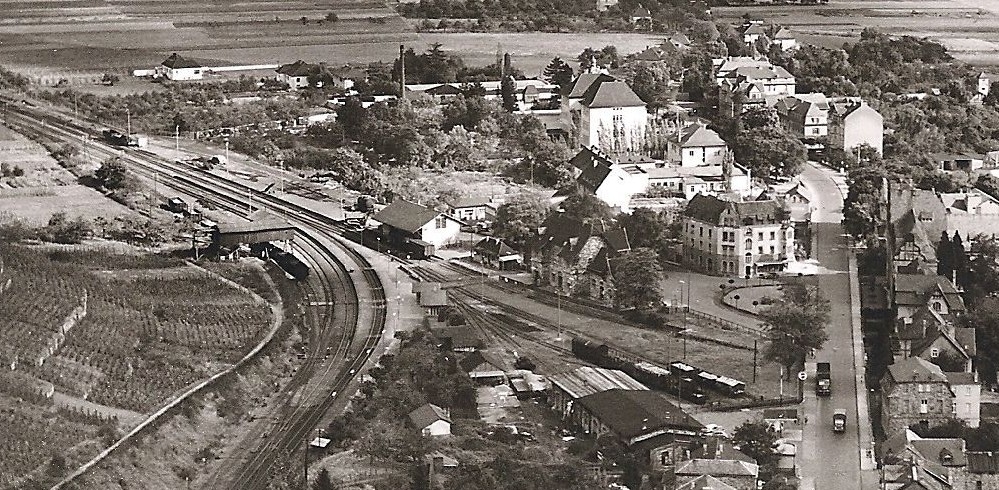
(326, 372)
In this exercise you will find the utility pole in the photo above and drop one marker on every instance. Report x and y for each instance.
(755, 353)
(128, 122)
(176, 140)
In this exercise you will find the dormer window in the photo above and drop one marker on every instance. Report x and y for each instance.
(934, 353)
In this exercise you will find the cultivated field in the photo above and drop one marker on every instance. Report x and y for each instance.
(78, 40)
(970, 29)
(118, 330)
(45, 187)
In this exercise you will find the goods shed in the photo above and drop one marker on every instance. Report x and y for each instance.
(265, 228)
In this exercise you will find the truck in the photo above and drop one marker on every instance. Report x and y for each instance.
(839, 420)
(823, 382)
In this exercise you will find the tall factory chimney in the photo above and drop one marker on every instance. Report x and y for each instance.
(402, 71)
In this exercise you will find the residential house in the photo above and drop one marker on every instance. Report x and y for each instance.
(916, 218)
(573, 100)
(967, 397)
(709, 180)
(985, 83)
(752, 32)
(656, 54)
(483, 367)
(641, 18)
(614, 184)
(981, 472)
(736, 473)
(854, 123)
(970, 212)
(916, 391)
(528, 91)
(964, 162)
(805, 115)
(612, 117)
(698, 145)
(296, 74)
(455, 338)
(403, 222)
(574, 258)
(431, 420)
(784, 39)
(733, 72)
(705, 482)
(942, 456)
(927, 334)
(179, 68)
(473, 209)
(493, 252)
(798, 199)
(603, 5)
(737, 238)
(913, 292)
(678, 40)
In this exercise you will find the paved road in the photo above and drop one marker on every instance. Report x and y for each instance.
(831, 460)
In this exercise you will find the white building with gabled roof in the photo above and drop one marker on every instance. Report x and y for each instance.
(179, 68)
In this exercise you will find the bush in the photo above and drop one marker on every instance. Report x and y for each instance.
(61, 229)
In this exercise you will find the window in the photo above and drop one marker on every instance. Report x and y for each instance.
(691, 152)
(761, 235)
(772, 250)
(773, 235)
(701, 230)
(967, 408)
(709, 232)
(934, 353)
(924, 406)
(937, 306)
(967, 390)
(920, 388)
(441, 222)
(760, 250)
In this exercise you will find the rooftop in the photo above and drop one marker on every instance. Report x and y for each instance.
(428, 414)
(405, 215)
(916, 370)
(606, 94)
(587, 380)
(176, 61)
(634, 413)
(699, 135)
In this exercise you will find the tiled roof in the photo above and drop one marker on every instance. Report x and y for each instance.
(783, 34)
(961, 378)
(404, 215)
(983, 462)
(700, 136)
(593, 176)
(709, 209)
(719, 448)
(705, 482)
(915, 289)
(679, 38)
(611, 94)
(717, 467)
(494, 247)
(297, 69)
(428, 414)
(585, 80)
(587, 380)
(478, 358)
(943, 451)
(468, 202)
(916, 370)
(176, 61)
(632, 413)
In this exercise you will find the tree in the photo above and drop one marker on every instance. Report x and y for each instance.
(518, 220)
(110, 79)
(770, 151)
(112, 174)
(332, 17)
(949, 362)
(57, 465)
(651, 82)
(305, 20)
(508, 92)
(756, 440)
(794, 328)
(638, 279)
(61, 229)
(983, 266)
(559, 73)
(323, 481)
(587, 208)
(945, 256)
(959, 256)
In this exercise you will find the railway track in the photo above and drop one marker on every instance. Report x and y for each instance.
(326, 372)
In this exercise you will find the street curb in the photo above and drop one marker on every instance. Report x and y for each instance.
(864, 431)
